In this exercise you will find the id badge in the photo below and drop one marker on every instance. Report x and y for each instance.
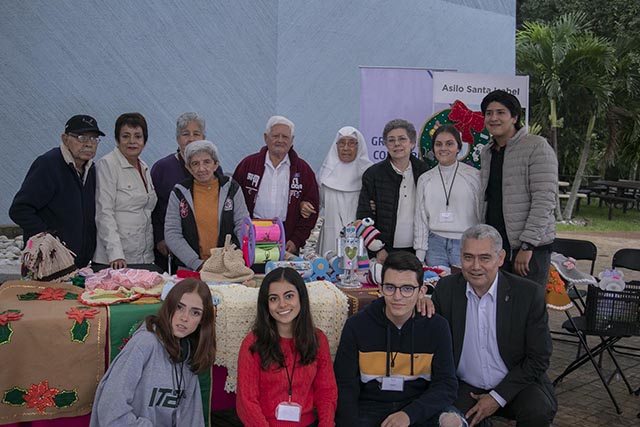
(392, 384)
(446, 216)
(288, 411)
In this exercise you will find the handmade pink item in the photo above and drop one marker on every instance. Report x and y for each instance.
(110, 279)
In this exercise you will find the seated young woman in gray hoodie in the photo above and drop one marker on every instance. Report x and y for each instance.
(153, 381)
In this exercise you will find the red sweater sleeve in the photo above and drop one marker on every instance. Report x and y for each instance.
(248, 391)
(325, 391)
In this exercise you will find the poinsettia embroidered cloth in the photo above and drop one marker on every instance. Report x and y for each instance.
(52, 351)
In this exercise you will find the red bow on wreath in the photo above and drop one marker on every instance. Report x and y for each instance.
(466, 120)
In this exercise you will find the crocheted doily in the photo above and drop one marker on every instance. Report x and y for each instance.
(237, 311)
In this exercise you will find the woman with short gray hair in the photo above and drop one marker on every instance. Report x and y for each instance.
(203, 209)
(169, 171)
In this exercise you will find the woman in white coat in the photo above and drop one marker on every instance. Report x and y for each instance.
(125, 198)
(340, 180)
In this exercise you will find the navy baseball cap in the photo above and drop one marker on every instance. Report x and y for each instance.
(81, 124)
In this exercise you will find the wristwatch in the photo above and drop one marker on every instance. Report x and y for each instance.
(526, 247)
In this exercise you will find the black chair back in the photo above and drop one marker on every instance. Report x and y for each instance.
(577, 249)
(627, 258)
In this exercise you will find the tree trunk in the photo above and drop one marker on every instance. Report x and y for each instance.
(553, 119)
(568, 211)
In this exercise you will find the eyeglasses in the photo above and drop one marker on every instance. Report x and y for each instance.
(350, 144)
(86, 139)
(405, 290)
(187, 134)
(400, 140)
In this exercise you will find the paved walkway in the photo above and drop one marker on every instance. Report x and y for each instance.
(582, 399)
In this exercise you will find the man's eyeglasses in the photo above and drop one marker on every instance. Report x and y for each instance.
(405, 290)
(86, 139)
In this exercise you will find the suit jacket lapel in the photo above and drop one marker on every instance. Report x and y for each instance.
(504, 310)
(458, 317)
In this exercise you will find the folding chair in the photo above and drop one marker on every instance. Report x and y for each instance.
(578, 250)
(629, 259)
(611, 316)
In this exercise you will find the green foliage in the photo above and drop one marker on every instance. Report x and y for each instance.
(607, 19)
(554, 42)
(568, 66)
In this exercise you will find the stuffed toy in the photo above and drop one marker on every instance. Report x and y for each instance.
(611, 280)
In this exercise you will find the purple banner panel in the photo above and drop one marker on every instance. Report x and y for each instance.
(392, 93)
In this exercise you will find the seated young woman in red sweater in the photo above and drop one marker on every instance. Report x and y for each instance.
(273, 391)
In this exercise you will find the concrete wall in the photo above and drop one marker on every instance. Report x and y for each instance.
(234, 61)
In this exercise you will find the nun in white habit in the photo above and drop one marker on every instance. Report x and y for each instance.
(340, 180)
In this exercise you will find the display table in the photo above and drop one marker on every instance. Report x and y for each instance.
(360, 297)
(54, 350)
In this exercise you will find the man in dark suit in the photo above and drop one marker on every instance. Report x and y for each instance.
(501, 341)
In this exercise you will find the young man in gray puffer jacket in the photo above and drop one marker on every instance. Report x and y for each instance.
(519, 183)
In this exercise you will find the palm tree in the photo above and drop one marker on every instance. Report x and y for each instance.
(566, 64)
(623, 115)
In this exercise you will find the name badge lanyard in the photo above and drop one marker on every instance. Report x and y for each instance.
(395, 383)
(290, 378)
(391, 358)
(444, 187)
(391, 362)
(178, 377)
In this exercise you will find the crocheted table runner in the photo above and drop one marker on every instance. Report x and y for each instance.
(46, 337)
(237, 311)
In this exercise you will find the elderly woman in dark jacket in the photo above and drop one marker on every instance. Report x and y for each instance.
(202, 209)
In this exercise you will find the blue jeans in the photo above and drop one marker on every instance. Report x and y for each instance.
(443, 251)
(372, 414)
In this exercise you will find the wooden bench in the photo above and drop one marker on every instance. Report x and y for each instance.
(565, 196)
(612, 199)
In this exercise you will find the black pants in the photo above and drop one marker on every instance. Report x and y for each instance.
(534, 406)
(538, 265)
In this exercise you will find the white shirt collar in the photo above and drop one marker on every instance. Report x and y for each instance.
(68, 158)
(398, 171)
(268, 162)
(492, 290)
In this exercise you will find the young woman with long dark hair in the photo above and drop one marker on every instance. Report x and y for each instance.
(285, 374)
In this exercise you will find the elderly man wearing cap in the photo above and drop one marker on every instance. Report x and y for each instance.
(275, 180)
(58, 193)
